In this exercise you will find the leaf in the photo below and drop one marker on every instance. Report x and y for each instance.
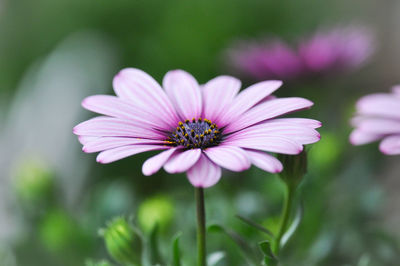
(269, 258)
(256, 225)
(247, 250)
(294, 225)
(214, 258)
(176, 253)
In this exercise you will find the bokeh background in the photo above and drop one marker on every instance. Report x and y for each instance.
(54, 198)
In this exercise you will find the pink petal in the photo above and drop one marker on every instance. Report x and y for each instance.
(265, 161)
(116, 107)
(390, 145)
(184, 92)
(248, 98)
(379, 105)
(306, 122)
(396, 90)
(115, 127)
(360, 137)
(378, 126)
(116, 154)
(106, 143)
(268, 110)
(143, 91)
(153, 164)
(278, 128)
(181, 161)
(86, 139)
(229, 157)
(204, 173)
(218, 94)
(270, 144)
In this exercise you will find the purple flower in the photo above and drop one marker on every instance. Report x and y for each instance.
(378, 117)
(336, 50)
(264, 60)
(200, 128)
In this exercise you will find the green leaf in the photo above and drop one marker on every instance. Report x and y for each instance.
(293, 226)
(176, 253)
(256, 226)
(214, 258)
(248, 252)
(269, 257)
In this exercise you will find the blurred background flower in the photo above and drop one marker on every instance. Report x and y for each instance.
(326, 52)
(55, 53)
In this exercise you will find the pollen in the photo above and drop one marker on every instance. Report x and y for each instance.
(195, 133)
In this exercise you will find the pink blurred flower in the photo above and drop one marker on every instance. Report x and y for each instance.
(264, 60)
(335, 50)
(378, 117)
(200, 128)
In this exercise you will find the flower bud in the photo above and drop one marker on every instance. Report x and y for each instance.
(158, 210)
(33, 181)
(122, 242)
(294, 167)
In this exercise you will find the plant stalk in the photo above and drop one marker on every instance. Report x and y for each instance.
(287, 209)
(201, 227)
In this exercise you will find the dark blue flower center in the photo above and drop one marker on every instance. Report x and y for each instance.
(195, 133)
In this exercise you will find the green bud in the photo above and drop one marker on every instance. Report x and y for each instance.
(294, 167)
(58, 231)
(122, 242)
(33, 180)
(158, 210)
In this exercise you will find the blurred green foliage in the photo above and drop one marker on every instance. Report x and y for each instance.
(343, 222)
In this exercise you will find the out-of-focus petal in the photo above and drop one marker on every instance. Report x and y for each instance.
(382, 104)
(265, 161)
(390, 145)
(116, 154)
(378, 126)
(229, 157)
(184, 92)
(181, 161)
(141, 90)
(218, 94)
(268, 110)
(204, 173)
(153, 164)
(359, 137)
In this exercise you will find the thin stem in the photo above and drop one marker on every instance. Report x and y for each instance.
(201, 227)
(287, 207)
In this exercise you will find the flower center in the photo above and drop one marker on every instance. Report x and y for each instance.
(195, 133)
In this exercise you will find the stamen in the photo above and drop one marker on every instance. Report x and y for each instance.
(195, 133)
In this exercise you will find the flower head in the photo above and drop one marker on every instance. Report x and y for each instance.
(326, 51)
(199, 128)
(378, 117)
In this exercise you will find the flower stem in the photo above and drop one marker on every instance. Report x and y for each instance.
(201, 227)
(287, 208)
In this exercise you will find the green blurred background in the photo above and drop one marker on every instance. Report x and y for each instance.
(54, 198)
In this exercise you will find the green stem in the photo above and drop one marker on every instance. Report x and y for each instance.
(287, 208)
(201, 227)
